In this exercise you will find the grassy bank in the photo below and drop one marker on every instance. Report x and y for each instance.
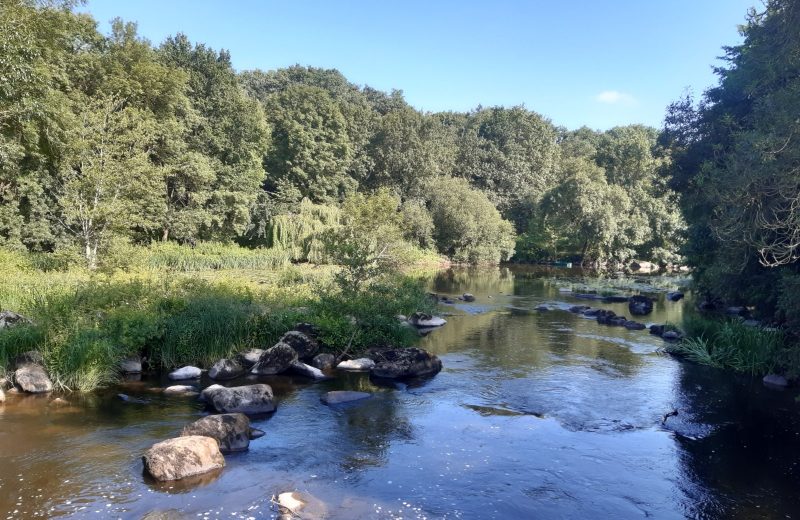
(731, 344)
(175, 305)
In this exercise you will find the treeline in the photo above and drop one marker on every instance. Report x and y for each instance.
(736, 161)
(108, 139)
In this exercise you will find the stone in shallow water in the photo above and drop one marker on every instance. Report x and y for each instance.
(226, 369)
(249, 399)
(249, 358)
(422, 320)
(343, 396)
(298, 505)
(231, 430)
(356, 365)
(305, 346)
(402, 363)
(180, 390)
(185, 373)
(300, 368)
(275, 360)
(32, 378)
(131, 365)
(775, 381)
(324, 361)
(183, 457)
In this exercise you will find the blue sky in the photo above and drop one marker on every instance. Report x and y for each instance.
(586, 62)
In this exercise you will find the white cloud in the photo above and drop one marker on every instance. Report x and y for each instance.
(615, 97)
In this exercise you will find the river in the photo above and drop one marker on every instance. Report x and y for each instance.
(542, 415)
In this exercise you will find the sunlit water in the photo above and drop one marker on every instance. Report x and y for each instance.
(535, 415)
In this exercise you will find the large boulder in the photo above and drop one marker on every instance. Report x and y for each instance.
(183, 457)
(640, 305)
(32, 378)
(422, 320)
(249, 358)
(406, 362)
(324, 361)
(231, 430)
(305, 345)
(226, 369)
(343, 396)
(185, 373)
(10, 319)
(275, 360)
(131, 365)
(249, 399)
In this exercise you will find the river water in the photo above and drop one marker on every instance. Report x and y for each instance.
(535, 415)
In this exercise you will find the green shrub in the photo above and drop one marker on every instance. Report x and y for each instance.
(213, 255)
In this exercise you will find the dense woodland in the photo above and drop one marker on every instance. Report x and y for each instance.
(110, 139)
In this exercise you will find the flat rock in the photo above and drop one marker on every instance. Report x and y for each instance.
(671, 335)
(634, 325)
(226, 369)
(10, 319)
(640, 305)
(356, 365)
(324, 361)
(343, 396)
(231, 430)
(422, 320)
(406, 362)
(467, 297)
(183, 457)
(275, 360)
(189, 372)
(32, 378)
(180, 390)
(301, 369)
(674, 296)
(249, 399)
(775, 380)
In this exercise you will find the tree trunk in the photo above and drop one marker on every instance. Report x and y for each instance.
(165, 234)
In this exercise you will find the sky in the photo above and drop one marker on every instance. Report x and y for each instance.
(577, 62)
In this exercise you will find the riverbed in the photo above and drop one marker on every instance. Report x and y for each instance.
(536, 414)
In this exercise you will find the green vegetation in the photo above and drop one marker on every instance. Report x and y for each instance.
(107, 140)
(732, 344)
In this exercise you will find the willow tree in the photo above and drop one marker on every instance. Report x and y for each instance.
(301, 230)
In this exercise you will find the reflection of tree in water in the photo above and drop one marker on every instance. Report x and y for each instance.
(739, 446)
(496, 280)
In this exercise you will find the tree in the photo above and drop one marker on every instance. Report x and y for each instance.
(310, 148)
(469, 228)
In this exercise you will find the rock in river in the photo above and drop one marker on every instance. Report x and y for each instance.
(2, 396)
(406, 362)
(356, 365)
(305, 345)
(32, 378)
(185, 373)
(249, 358)
(180, 390)
(674, 296)
(343, 396)
(775, 381)
(422, 320)
(467, 297)
(231, 430)
(301, 369)
(297, 505)
(249, 399)
(226, 369)
(183, 457)
(324, 361)
(275, 360)
(640, 305)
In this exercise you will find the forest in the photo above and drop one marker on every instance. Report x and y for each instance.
(118, 154)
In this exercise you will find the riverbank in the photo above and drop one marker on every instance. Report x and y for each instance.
(177, 306)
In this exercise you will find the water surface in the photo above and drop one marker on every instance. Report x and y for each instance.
(535, 415)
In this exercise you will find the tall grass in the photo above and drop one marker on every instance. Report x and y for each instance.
(732, 344)
(215, 256)
(85, 324)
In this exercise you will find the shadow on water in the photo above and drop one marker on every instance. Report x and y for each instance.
(537, 414)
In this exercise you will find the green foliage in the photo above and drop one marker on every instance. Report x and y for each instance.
(213, 255)
(731, 344)
(468, 227)
(735, 160)
(301, 230)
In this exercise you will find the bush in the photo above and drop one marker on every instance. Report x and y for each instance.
(469, 228)
(213, 255)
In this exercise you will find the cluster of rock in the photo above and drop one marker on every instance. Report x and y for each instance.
(200, 447)
(607, 317)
